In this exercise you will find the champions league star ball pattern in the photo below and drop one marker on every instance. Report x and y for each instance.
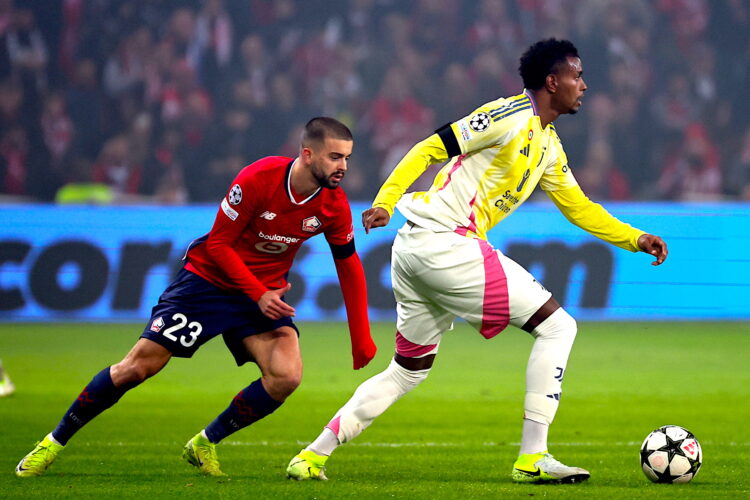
(235, 195)
(671, 454)
(479, 122)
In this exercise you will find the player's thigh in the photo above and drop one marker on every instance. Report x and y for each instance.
(421, 321)
(449, 272)
(468, 278)
(503, 293)
(526, 294)
(276, 352)
(192, 311)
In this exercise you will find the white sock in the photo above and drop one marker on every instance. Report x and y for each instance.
(325, 443)
(372, 398)
(546, 367)
(534, 437)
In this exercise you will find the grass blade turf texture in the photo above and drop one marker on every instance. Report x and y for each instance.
(455, 436)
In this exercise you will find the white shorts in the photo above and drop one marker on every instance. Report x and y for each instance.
(438, 277)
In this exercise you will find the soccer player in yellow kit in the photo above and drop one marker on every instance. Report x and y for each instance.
(443, 267)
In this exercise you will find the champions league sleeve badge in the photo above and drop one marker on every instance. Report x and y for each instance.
(479, 122)
(235, 195)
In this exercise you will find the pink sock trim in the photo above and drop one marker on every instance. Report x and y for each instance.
(335, 425)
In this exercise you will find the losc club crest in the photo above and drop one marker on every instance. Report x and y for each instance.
(157, 325)
(235, 195)
(311, 224)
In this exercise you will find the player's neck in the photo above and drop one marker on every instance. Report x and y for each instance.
(543, 106)
(302, 182)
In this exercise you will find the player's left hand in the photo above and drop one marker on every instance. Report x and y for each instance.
(363, 351)
(655, 246)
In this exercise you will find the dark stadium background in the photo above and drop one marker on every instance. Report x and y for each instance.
(162, 101)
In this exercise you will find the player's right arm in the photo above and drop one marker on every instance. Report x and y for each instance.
(422, 155)
(483, 128)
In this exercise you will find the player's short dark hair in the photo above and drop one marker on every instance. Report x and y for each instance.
(544, 58)
(321, 127)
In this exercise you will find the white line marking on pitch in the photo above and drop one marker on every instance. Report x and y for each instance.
(408, 445)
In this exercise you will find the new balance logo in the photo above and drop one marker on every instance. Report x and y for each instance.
(268, 215)
(525, 150)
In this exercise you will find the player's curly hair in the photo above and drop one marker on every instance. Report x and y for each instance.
(543, 58)
(320, 127)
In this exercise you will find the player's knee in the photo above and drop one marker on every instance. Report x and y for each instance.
(130, 373)
(281, 386)
(559, 324)
(406, 379)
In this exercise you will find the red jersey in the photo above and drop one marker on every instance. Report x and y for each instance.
(264, 222)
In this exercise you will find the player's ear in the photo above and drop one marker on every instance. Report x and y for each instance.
(550, 83)
(306, 154)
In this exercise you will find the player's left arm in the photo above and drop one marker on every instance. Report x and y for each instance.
(563, 189)
(592, 217)
(354, 288)
(340, 237)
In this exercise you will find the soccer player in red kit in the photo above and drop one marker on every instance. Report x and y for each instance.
(233, 284)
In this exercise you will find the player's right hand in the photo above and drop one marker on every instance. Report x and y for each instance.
(375, 217)
(271, 305)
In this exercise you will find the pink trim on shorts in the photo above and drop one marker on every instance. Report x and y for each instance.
(455, 167)
(409, 349)
(496, 306)
(335, 425)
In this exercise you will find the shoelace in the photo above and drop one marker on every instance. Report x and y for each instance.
(550, 460)
(39, 457)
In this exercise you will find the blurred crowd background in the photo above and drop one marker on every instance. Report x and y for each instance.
(164, 101)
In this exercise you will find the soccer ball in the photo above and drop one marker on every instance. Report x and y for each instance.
(671, 454)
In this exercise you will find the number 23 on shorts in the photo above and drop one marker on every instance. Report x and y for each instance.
(194, 329)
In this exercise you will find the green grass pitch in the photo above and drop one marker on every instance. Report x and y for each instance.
(456, 436)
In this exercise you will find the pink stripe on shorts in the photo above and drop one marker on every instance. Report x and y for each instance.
(496, 307)
(409, 349)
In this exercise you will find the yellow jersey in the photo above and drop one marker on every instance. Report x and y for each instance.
(498, 155)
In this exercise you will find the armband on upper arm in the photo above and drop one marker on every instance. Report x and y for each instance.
(342, 251)
(449, 140)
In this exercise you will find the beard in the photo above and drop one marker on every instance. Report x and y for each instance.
(326, 181)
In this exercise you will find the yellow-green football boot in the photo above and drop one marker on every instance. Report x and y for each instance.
(543, 468)
(307, 465)
(41, 457)
(201, 452)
